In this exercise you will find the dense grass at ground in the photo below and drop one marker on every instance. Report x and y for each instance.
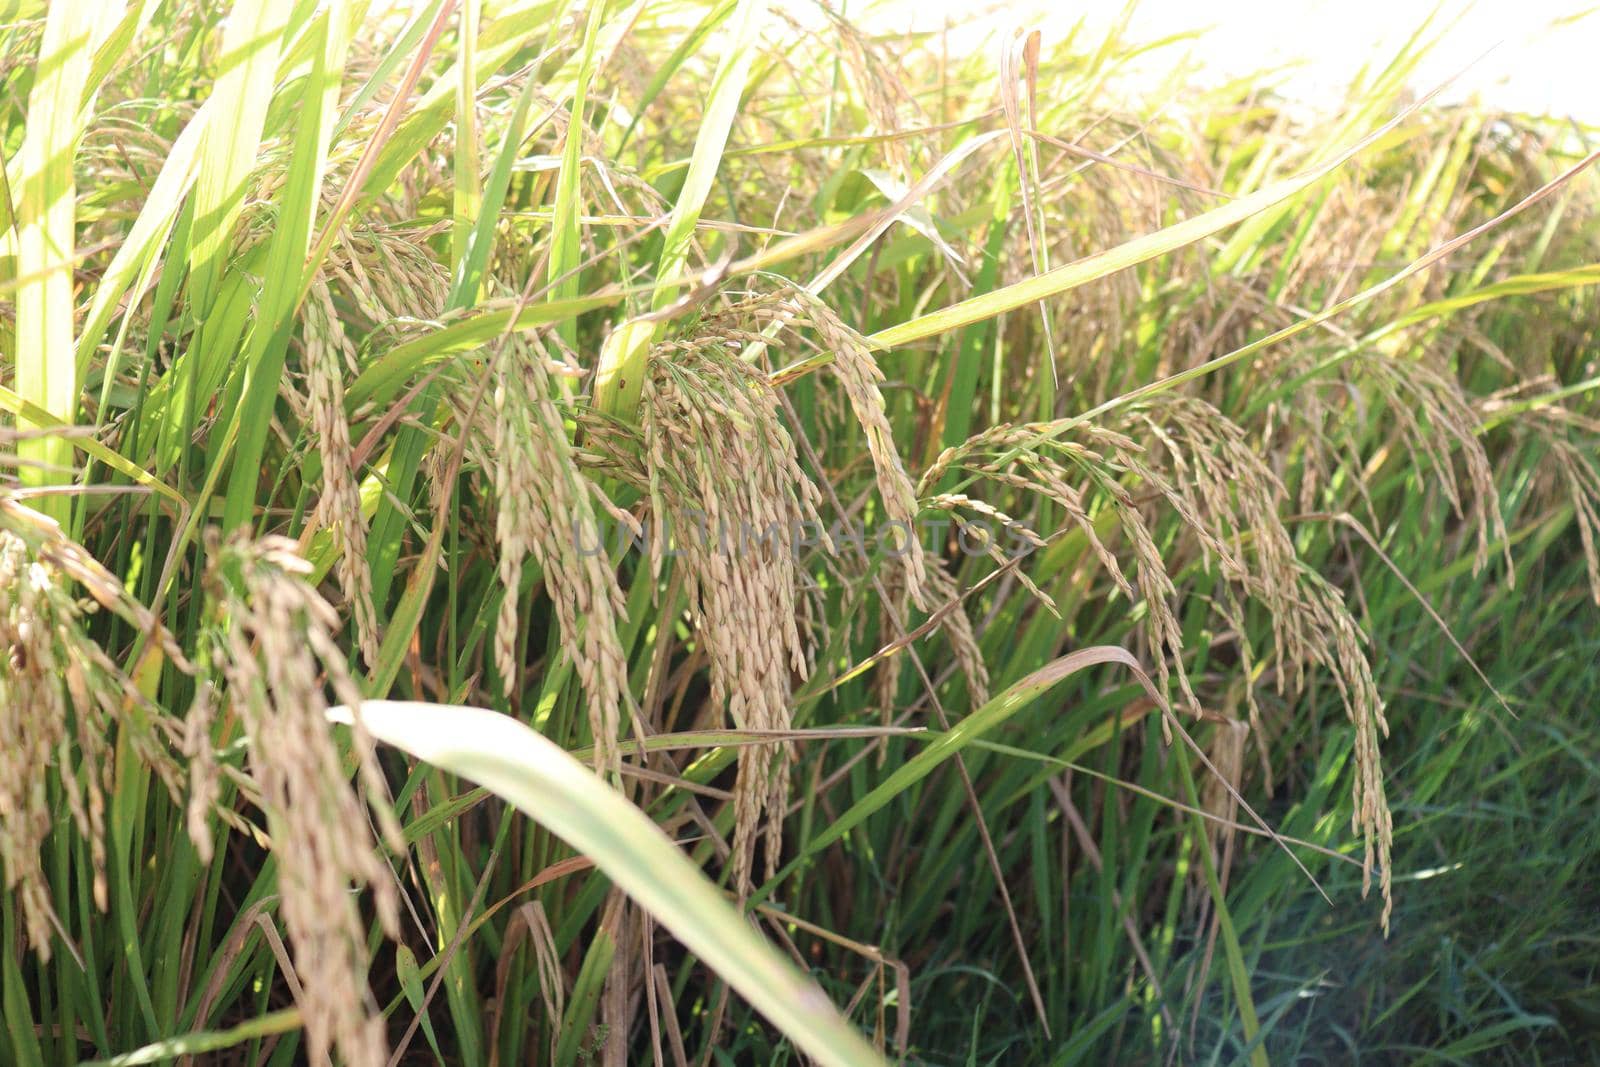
(1093, 576)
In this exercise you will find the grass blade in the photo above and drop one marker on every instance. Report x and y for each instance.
(1094, 267)
(45, 366)
(297, 210)
(620, 374)
(566, 239)
(969, 729)
(534, 775)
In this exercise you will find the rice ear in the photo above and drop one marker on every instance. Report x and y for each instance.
(61, 699)
(729, 491)
(328, 352)
(271, 643)
(545, 505)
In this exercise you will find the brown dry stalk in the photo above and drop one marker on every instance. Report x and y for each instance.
(1216, 796)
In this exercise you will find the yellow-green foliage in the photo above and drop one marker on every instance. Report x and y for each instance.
(562, 384)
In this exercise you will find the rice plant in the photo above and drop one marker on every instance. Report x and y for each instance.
(694, 533)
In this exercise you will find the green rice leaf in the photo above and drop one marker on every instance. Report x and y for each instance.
(531, 773)
(45, 367)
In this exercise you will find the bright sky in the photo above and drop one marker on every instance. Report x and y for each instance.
(1546, 60)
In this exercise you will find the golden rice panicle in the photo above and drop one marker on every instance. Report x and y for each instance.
(388, 271)
(1231, 610)
(857, 371)
(945, 594)
(1202, 465)
(1428, 418)
(1151, 581)
(1217, 795)
(1572, 469)
(1570, 473)
(1034, 460)
(945, 597)
(1581, 479)
(59, 691)
(979, 535)
(328, 352)
(1347, 662)
(1434, 418)
(883, 90)
(34, 732)
(546, 506)
(271, 642)
(731, 494)
(1018, 458)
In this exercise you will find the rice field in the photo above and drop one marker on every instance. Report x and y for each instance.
(696, 533)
